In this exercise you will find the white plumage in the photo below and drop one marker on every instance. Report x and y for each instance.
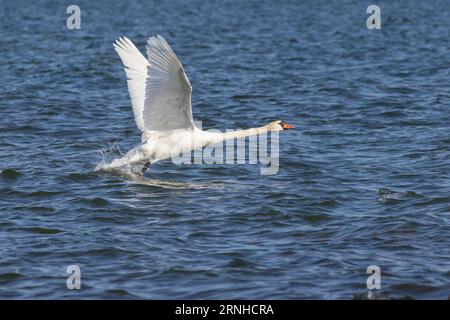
(159, 88)
(136, 71)
(160, 95)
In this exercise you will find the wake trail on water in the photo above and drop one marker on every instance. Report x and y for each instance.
(114, 161)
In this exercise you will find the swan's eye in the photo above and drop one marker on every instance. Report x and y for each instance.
(282, 123)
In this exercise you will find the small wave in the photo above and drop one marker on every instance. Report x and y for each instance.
(118, 293)
(35, 208)
(10, 174)
(238, 263)
(91, 201)
(318, 217)
(100, 202)
(78, 176)
(44, 193)
(108, 252)
(386, 194)
(10, 276)
(415, 288)
(393, 113)
(435, 200)
(41, 230)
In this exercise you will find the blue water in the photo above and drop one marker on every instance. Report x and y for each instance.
(363, 180)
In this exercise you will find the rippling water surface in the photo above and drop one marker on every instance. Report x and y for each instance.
(364, 180)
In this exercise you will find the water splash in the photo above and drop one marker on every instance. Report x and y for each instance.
(113, 161)
(107, 153)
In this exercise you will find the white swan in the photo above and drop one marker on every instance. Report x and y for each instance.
(161, 99)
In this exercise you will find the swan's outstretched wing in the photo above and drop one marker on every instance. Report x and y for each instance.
(136, 70)
(168, 91)
(159, 89)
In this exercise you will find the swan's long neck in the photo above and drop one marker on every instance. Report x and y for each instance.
(215, 137)
(244, 133)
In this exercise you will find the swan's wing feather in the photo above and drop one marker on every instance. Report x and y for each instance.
(136, 70)
(168, 91)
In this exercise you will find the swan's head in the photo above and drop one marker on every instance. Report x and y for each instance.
(279, 125)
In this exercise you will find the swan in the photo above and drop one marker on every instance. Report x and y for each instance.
(160, 95)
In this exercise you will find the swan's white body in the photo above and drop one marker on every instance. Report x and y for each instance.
(160, 95)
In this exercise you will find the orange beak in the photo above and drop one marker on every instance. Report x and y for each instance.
(286, 126)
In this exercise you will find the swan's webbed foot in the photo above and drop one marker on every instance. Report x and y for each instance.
(145, 167)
